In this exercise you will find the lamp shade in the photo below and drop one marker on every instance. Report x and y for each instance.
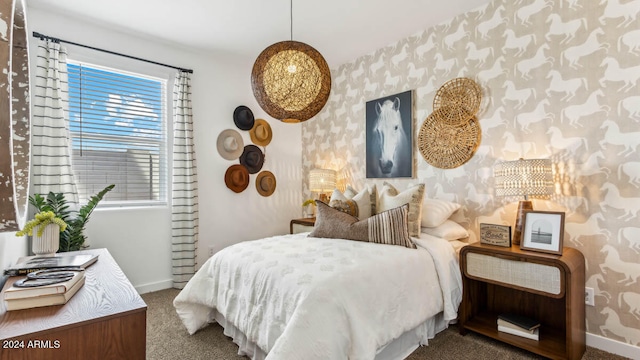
(322, 180)
(523, 177)
(291, 81)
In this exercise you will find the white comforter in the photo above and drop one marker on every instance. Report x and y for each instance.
(309, 298)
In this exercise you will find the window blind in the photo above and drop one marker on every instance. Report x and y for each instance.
(117, 125)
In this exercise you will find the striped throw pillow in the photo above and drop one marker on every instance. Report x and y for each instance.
(389, 227)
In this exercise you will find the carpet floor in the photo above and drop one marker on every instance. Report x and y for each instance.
(168, 339)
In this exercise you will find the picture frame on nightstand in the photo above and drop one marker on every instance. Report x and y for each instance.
(543, 231)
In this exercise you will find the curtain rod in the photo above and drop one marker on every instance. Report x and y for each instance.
(41, 36)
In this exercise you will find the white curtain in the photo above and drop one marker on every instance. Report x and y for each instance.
(50, 149)
(184, 210)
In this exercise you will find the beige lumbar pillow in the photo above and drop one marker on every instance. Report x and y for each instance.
(388, 227)
(390, 198)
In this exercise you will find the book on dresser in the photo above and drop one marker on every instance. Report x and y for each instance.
(17, 292)
(44, 300)
(34, 263)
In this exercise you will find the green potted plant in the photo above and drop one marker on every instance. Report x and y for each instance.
(72, 237)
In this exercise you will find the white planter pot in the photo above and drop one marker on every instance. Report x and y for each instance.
(309, 211)
(47, 244)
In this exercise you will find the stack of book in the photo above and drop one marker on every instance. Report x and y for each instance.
(17, 298)
(29, 264)
(519, 325)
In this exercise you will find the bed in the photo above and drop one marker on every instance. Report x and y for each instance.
(295, 296)
(375, 278)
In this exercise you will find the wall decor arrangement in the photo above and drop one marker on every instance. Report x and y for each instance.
(450, 135)
(389, 129)
(230, 145)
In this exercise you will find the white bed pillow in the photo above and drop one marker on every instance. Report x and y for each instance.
(391, 198)
(435, 212)
(362, 200)
(448, 230)
(373, 195)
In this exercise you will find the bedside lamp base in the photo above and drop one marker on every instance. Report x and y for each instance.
(517, 230)
(324, 198)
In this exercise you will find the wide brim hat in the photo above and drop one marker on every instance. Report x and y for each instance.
(261, 132)
(230, 144)
(243, 118)
(236, 178)
(266, 183)
(252, 158)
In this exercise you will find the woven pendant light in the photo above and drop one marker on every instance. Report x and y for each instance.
(291, 80)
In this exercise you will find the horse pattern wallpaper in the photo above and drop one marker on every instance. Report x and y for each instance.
(560, 80)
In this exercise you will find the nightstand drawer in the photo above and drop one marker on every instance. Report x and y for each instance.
(524, 274)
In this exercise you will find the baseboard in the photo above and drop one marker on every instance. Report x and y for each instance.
(155, 286)
(613, 346)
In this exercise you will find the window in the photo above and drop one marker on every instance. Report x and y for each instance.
(118, 134)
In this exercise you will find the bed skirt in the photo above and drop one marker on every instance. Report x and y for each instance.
(398, 349)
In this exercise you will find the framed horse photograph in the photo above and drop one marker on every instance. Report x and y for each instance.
(389, 140)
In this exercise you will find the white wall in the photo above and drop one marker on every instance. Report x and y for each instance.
(139, 239)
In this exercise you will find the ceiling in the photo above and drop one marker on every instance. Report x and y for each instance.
(340, 29)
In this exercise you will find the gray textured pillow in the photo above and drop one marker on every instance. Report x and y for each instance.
(389, 227)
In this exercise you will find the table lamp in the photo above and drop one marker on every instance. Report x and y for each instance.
(322, 181)
(523, 178)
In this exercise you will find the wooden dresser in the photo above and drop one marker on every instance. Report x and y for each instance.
(105, 319)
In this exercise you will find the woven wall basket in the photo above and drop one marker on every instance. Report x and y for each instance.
(291, 93)
(446, 146)
(458, 93)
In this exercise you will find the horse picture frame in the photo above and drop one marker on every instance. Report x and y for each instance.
(389, 136)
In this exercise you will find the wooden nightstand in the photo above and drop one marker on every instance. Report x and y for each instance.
(302, 225)
(548, 288)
